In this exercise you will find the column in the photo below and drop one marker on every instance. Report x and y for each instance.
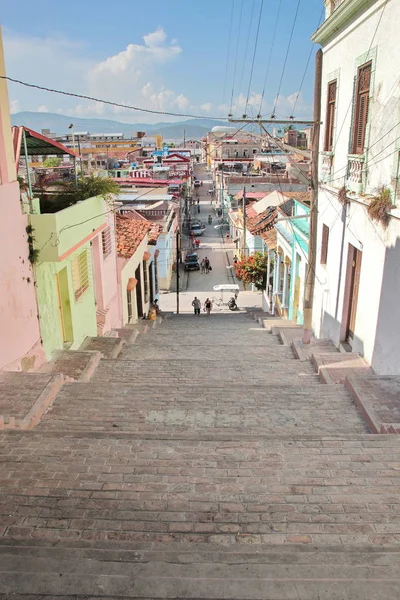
(285, 282)
(268, 273)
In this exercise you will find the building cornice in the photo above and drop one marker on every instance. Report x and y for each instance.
(341, 17)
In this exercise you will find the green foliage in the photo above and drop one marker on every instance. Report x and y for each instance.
(380, 206)
(252, 269)
(86, 187)
(52, 161)
(33, 252)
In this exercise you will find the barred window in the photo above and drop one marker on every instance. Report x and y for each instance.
(80, 274)
(106, 242)
(361, 107)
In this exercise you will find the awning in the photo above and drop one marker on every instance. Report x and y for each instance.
(146, 255)
(37, 144)
(132, 283)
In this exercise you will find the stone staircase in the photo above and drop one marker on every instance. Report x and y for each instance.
(204, 461)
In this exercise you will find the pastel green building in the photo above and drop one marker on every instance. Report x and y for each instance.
(64, 272)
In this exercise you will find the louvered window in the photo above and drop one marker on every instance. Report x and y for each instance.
(361, 107)
(330, 115)
(106, 242)
(324, 244)
(80, 274)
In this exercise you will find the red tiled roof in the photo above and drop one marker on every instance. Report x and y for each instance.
(301, 196)
(130, 233)
(155, 230)
(262, 221)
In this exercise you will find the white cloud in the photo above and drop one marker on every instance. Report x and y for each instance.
(42, 108)
(182, 102)
(14, 106)
(156, 38)
(206, 107)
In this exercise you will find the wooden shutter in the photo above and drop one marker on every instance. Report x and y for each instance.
(324, 244)
(330, 115)
(362, 106)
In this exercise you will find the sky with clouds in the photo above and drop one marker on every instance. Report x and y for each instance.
(180, 56)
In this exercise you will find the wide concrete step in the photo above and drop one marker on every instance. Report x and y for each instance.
(163, 570)
(223, 354)
(109, 347)
(273, 491)
(201, 371)
(74, 365)
(94, 407)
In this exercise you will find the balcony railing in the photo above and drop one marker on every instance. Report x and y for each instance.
(355, 172)
(326, 166)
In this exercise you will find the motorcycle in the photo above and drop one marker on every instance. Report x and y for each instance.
(232, 304)
(209, 219)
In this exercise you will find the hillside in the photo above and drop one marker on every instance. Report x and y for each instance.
(193, 128)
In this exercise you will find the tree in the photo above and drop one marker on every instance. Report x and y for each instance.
(252, 269)
(289, 128)
(86, 187)
(52, 161)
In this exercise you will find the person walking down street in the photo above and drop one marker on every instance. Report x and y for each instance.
(208, 306)
(235, 260)
(203, 266)
(196, 305)
(206, 265)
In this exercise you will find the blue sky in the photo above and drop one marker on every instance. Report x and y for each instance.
(164, 55)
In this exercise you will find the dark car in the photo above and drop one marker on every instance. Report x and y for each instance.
(192, 262)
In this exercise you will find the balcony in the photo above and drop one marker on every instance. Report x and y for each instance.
(59, 233)
(326, 166)
(355, 173)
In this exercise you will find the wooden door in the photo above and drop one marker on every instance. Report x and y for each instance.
(351, 291)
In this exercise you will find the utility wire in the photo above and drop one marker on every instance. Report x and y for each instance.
(286, 57)
(229, 51)
(306, 68)
(270, 56)
(254, 54)
(236, 55)
(108, 102)
(247, 46)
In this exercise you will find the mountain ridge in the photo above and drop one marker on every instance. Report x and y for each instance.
(191, 128)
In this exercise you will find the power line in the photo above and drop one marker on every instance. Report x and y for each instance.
(236, 55)
(270, 55)
(254, 54)
(229, 51)
(306, 67)
(286, 57)
(247, 46)
(108, 102)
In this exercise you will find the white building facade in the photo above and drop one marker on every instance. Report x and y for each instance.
(357, 285)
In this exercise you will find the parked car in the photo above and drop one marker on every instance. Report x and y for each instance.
(196, 183)
(192, 262)
(198, 230)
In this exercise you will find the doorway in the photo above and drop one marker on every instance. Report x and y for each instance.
(352, 285)
(139, 302)
(129, 305)
(64, 306)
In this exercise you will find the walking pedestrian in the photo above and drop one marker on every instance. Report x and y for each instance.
(203, 266)
(196, 305)
(206, 265)
(235, 260)
(208, 306)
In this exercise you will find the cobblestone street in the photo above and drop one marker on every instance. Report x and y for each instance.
(205, 461)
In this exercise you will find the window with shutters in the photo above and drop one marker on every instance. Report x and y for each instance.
(361, 107)
(106, 242)
(324, 245)
(80, 274)
(330, 115)
(145, 281)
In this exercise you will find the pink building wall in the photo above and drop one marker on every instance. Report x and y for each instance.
(106, 288)
(20, 346)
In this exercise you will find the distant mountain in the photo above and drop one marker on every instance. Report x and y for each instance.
(192, 128)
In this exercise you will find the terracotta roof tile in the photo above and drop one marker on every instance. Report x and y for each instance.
(262, 221)
(130, 233)
(301, 196)
(154, 233)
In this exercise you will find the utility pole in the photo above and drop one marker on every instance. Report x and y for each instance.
(244, 222)
(178, 252)
(312, 244)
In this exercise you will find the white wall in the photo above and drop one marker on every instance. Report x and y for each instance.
(373, 36)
